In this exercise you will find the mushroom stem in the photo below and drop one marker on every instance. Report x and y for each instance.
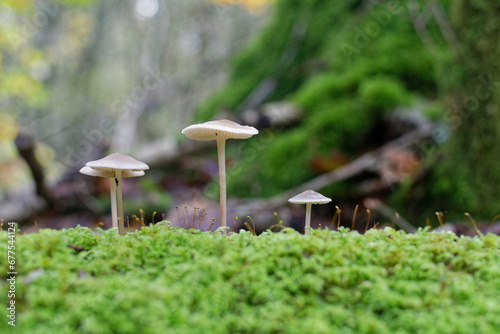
(308, 218)
(119, 200)
(112, 190)
(221, 152)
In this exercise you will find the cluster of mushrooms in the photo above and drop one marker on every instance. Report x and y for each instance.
(115, 167)
(118, 166)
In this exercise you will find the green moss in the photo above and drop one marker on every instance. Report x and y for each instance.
(434, 111)
(341, 123)
(342, 94)
(169, 280)
(467, 175)
(383, 93)
(286, 159)
(322, 88)
(294, 36)
(278, 162)
(437, 192)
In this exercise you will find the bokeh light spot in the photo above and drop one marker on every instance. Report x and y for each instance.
(147, 8)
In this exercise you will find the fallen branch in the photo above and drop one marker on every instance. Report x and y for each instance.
(356, 167)
(165, 152)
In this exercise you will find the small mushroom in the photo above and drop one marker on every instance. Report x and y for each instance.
(220, 131)
(308, 198)
(112, 183)
(117, 166)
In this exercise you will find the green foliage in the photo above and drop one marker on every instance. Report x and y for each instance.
(278, 164)
(434, 111)
(279, 52)
(312, 50)
(325, 87)
(168, 280)
(341, 123)
(382, 93)
(285, 161)
(467, 175)
(437, 192)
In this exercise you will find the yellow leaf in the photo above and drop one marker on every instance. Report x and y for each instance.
(253, 6)
(20, 4)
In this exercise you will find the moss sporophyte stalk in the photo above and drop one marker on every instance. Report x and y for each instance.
(164, 279)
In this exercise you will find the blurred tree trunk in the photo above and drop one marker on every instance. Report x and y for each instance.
(473, 101)
(26, 147)
(467, 177)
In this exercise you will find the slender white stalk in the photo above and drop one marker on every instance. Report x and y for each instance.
(221, 152)
(112, 190)
(308, 218)
(119, 200)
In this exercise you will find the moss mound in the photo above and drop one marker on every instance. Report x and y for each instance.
(169, 280)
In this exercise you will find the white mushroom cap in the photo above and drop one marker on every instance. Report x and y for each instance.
(309, 196)
(109, 174)
(222, 128)
(117, 161)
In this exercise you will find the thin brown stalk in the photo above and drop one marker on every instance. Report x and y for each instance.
(440, 218)
(277, 215)
(474, 224)
(368, 212)
(492, 222)
(212, 222)
(428, 222)
(203, 214)
(338, 217)
(354, 217)
(141, 211)
(396, 217)
(195, 210)
(253, 231)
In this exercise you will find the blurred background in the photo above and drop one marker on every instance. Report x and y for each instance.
(388, 107)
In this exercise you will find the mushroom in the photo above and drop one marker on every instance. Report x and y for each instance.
(112, 183)
(220, 131)
(308, 198)
(117, 166)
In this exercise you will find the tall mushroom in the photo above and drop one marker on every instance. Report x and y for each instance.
(309, 197)
(112, 185)
(220, 131)
(118, 165)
